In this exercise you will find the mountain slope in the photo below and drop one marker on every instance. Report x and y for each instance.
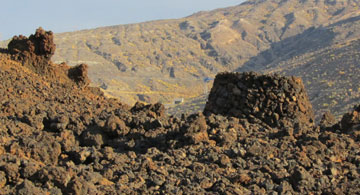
(331, 75)
(149, 61)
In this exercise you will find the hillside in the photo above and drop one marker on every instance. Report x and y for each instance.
(256, 135)
(330, 74)
(162, 60)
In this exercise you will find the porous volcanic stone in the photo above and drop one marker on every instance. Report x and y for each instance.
(34, 52)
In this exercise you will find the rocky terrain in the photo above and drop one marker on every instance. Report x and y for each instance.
(255, 136)
(162, 60)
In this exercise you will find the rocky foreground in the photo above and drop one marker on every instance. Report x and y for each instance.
(257, 135)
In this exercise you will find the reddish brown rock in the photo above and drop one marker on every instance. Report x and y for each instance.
(79, 74)
(34, 52)
(196, 131)
(152, 110)
(116, 127)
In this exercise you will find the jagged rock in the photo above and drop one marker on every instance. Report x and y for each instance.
(57, 175)
(154, 110)
(28, 188)
(43, 148)
(116, 127)
(301, 180)
(79, 186)
(278, 101)
(12, 172)
(93, 137)
(40, 44)
(196, 131)
(35, 51)
(79, 74)
(29, 169)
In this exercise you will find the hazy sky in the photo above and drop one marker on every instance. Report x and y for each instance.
(24, 16)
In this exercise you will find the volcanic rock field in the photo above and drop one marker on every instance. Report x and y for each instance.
(257, 135)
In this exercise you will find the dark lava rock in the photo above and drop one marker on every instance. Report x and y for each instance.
(59, 176)
(196, 130)
(93, 137)
(301, 180)
(115, 126)
(154, 110)
(79, 74)
(35, 51)
(28, 188)
(12, 172)
(43, 148)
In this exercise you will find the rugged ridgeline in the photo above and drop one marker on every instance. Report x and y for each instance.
(149, 61)
(60, 136)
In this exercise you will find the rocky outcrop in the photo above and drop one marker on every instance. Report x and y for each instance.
(36, 51)
(278, 101)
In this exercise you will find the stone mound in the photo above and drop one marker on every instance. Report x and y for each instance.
(275, 100)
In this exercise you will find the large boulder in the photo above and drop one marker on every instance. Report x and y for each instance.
(278, 101)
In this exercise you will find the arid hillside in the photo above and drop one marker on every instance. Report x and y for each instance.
(162, 60)
(331, 75)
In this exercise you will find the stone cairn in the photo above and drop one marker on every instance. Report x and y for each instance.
(280, 102)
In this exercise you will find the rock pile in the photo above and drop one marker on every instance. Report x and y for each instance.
(278, 101)
(60, 137)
